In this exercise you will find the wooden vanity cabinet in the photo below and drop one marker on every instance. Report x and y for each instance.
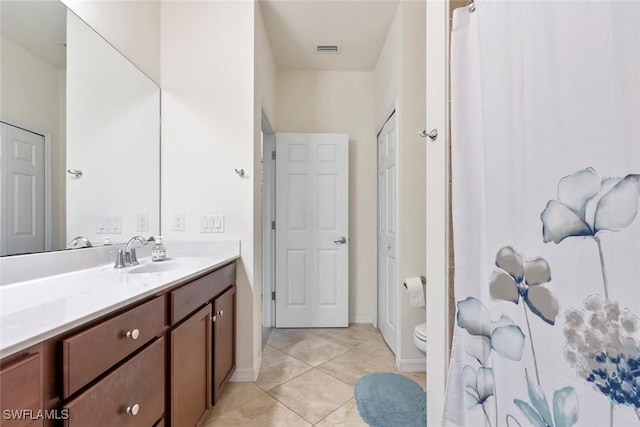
(161, 361)
(202, 347)
(21, 390)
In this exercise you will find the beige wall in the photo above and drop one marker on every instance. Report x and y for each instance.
(132, 27)
(342, 102)
(33, 97)
(400, 82)
(208, 119)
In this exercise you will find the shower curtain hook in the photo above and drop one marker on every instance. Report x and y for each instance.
(471, 6)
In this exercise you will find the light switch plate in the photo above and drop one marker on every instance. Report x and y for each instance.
(108, 225)
(212, 224)
(218, 224)
(116, 225)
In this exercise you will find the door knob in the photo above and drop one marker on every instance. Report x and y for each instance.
(340, 241)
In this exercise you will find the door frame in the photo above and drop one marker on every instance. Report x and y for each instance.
(48, 178)
(268, 215)
(392, 110)
(437, 244)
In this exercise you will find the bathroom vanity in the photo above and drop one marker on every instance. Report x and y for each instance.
(155, 349)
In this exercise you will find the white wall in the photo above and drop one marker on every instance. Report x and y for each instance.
(112, 137)
(400, 80)
(33, 97)
(132, 26)
(208, 120)
(342, 102)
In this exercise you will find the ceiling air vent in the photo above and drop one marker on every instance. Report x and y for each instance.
(328, 48)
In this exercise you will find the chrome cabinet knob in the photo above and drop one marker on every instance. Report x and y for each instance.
(133, 410)
(221, 313)
(133, 334)
(214, 318)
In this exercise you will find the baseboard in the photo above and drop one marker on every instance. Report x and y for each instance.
(361, 319)
(244, 375)
(412, 365)
(247, 374)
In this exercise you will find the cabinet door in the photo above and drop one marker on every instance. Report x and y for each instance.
(21, 391)
(190, 374)
(224, 340)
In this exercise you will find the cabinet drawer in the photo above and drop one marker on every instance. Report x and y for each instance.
(140, 381)
(90, 353)
(21, 390)
(188, 298)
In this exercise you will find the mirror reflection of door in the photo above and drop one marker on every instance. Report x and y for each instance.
(22, 191)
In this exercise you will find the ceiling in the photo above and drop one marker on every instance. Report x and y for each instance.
(38, 26)
(296, 26)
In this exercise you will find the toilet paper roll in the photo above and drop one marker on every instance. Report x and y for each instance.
(415, 290)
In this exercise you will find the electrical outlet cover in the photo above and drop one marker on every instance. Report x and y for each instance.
(178, 222)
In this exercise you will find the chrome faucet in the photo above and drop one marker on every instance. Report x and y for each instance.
(129, 256)
(80, 242)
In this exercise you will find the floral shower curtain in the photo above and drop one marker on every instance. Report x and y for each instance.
(546, 188)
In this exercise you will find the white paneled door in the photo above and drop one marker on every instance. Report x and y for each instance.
(312, 230)
(22, 191)
(387, 290)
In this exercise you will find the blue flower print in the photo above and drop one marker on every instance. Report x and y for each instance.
(502, 335)
(518, 277)
(602, 349)
(587, 205)
(565, 407)
(478, 385)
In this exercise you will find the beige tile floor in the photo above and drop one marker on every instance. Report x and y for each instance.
(307, 378)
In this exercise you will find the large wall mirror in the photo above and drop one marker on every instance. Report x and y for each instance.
(80, 135)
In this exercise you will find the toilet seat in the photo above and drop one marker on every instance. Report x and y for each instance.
(420, 331)
(420, 337)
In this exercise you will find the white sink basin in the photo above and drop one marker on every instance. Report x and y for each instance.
(164, 266)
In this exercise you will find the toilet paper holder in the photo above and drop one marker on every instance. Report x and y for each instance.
(422, 279)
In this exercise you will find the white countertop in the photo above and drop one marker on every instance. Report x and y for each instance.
(32, 311)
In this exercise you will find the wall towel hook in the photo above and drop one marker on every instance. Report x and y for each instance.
(471, 6)
(240, 172)
(433, 134)
(76, 173)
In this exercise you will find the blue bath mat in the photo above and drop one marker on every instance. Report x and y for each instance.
(391, 400)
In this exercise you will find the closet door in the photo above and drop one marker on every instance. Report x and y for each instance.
(387, 291)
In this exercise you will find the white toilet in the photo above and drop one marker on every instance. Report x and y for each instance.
(420, 337)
